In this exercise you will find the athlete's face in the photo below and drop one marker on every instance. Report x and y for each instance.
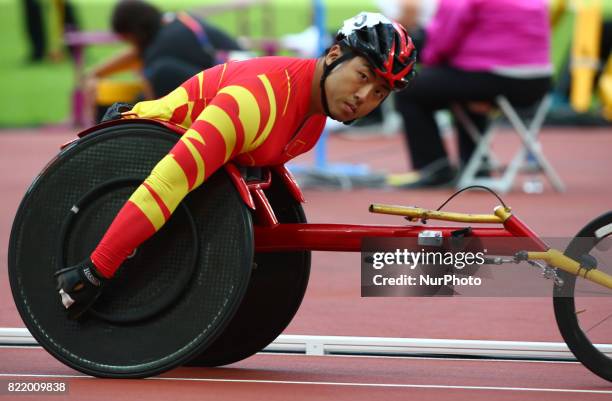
(353, 89)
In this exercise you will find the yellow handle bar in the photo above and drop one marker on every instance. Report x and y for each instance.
(418, 213)
(557, 259)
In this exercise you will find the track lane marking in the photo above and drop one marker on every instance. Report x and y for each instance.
(425, 358)
(416, 357)
(339, 384)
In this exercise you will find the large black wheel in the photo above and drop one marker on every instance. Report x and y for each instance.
(170, 300)
(277, 287)
(583, 310)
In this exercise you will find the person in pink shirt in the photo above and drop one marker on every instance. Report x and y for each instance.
(474, 50)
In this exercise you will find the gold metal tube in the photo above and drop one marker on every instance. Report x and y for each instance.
(418, 213)
(502, 212)
(557, 259)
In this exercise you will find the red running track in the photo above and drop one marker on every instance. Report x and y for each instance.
(283, 377)
(333, 307)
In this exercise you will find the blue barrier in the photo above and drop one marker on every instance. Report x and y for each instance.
(344, 175)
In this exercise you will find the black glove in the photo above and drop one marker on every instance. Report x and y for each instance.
(114, 111)
(79, 286)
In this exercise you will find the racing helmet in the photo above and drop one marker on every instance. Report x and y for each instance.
(383, 42)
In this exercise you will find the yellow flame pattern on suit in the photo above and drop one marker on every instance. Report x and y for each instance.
(248, 112)
(171, 187)
(197, 157)
(218, 118)
(272, 118)
(164, 107)
(288, 91)
(168, 180)
(187, 121)
(200, 85)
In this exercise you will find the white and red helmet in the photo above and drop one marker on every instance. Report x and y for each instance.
(384, 43)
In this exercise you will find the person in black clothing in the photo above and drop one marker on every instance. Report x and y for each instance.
(168, 48)
(36, 28)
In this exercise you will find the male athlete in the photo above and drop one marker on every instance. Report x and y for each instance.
(259, 112)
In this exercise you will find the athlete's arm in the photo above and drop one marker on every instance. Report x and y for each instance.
(125, 60)
(238, 119)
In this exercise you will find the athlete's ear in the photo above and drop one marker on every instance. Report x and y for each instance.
(332, 54)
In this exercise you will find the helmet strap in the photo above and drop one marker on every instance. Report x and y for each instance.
(327, 69)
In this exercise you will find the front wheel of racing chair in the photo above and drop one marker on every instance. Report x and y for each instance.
(171, 299)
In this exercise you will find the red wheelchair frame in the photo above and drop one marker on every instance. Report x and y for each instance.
(272, 236)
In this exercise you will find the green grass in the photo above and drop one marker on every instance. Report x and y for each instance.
(34, 94)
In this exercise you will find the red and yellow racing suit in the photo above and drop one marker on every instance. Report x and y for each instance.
(252, 112)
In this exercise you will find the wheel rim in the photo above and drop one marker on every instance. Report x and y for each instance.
(583, 310)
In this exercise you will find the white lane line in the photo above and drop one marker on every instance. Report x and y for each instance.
(426, 358)
(343, 384)
(326, 345)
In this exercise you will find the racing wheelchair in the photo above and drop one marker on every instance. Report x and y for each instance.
(225, 276)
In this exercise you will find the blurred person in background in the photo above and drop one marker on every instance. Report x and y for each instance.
(36, 30)
(36, 27)
(563, 113)
(472, 51)
(167, 48)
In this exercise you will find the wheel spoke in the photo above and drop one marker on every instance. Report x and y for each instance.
(600, 322)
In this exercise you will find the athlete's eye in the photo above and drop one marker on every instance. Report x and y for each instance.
(363, 76)
(381, 93)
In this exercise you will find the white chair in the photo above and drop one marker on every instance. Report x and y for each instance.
(530, 145)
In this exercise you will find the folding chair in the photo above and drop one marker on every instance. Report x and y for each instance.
(528, 133)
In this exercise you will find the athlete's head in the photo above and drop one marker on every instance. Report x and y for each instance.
(371, 57)
(137, 22)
